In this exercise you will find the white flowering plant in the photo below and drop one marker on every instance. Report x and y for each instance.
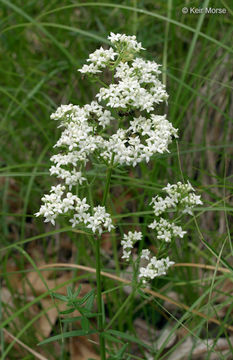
(119, 128)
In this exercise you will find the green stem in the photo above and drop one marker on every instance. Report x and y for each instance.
(100, 303)
(99, 300)
(128, 299)
(135, 18)
(169, 8)
(109, 173)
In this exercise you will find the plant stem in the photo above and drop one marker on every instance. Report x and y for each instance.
(109, 173)
(128, 299)
(99, 300)
(100, 303)
(169, 8)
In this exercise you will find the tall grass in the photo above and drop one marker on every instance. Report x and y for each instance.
(43, 44)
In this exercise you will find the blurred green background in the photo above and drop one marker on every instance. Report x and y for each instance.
(43, 43)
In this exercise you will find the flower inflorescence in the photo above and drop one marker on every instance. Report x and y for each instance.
(58, 202)
(154, 268)
(181, 197)
(139, 136)
(128, 103)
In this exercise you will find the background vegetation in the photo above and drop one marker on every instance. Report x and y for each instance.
(42, 44)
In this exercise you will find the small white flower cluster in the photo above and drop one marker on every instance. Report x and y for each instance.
(143, 139)
(166, 230)
(145, 254)
(99, 59)
(183, 195)
(97, 222)
(76, 114)
(57, 203)
(141, 70)
(129, 42)
(130, 91)
(63, 111)
(138, 85)
(154, 269)
(71, 178)
(180, 196)
(136, 88)
(80, 137)
(128, 242)
(100, 220)
(139, 142)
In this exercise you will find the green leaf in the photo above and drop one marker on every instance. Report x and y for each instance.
(213, 251)
(85, 324)
(128, 337)
(77, 291)
(77, 302)
(60, 297)
(77, 318)
(71, 319)
(90, 302)
(68, 311)
(111, 338)
(88, 313)
(119, 354)
(68, 334)
(69, 292)
(122, 350)
(87, 296)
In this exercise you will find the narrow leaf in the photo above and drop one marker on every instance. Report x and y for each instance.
(68, 334)
(60, 297)
(128, 337)
(68, 311)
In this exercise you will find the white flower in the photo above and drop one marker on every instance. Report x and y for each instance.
(128, 242)
(155, 268)
(61, 112)
(144, 138)
(126, 254)
(166, 230)
(99, 59)
(129, 93)
(103, 116)
(57, 202)
(71, 178)
(52, 204)
(91, 69)
(145, 72)
(100, 220)
(145, 254)
(101, 56)
(179, 194)
(129, 42)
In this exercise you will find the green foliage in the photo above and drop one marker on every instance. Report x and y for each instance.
(84, 305)
(43, 45)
